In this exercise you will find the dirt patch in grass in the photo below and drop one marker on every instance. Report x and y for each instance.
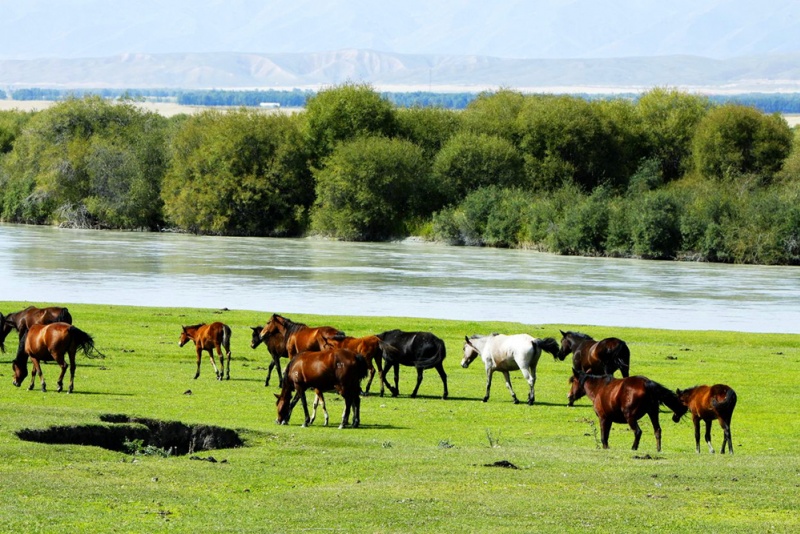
(120, 430)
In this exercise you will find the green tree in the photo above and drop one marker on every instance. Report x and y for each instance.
(368, 189)
(238, 173)
(494, 114)
(734, 140)
(469, 161)
(429, 128)
(344, 112)
(89, 162)
(669, 118)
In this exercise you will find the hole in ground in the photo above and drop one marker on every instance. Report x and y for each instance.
(172, 436)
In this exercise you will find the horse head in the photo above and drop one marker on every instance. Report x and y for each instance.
(275, 325)
(470, 352)
(284, 406)
(576, 390)
(20, 366)
(185, 337)
(255, 339)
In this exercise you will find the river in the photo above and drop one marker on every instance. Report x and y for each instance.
(405, 279)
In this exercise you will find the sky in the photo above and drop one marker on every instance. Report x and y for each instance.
(530, 29)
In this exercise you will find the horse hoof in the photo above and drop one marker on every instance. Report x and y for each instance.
(516, 401)
(486, 399)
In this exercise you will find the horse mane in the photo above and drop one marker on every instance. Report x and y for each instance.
(195, 326)
(581, 335)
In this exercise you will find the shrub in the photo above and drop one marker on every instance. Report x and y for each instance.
(655, 226)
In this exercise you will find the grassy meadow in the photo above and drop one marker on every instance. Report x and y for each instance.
(415, 465)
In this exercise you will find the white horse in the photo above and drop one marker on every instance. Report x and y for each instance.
(504, 353)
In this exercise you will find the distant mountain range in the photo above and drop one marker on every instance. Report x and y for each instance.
(404, 72)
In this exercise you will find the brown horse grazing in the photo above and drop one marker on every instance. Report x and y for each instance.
(625, 400)
(298, 337)
(706, 403)
(371, 347)
(51, 342)
(22, 320)
(210, 337)
(595, 357)
(276, 348)
(338, 369)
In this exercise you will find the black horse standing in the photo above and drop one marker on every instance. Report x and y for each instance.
(421, 350)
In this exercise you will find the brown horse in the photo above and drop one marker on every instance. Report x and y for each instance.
(50, 343)
(210, 337)
(276, 348)
(298, 337)
(22, 320)
(338, 369)
(707, 403)
(625, 400)
(371, 347)
(595, 357)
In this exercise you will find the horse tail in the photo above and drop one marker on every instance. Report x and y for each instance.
(548, 344)
(727, 405)
(667, 398)
(362, 367)
(63, 316)
(84, 341)
(621, 355)
(434, 359)
(226, 337)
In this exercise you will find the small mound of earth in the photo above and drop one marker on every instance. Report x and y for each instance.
(174, 436)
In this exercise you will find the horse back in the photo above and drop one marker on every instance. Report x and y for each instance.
(418, 349)
(708, 402)
(42, 339)
(618, 398)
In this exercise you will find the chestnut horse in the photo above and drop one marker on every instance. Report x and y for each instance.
(707, 403)
(337, 368)
(210, 337)
(31, 315)
(371, 347)
(276, 348)
(625, 400)
(298, 337)
(51, 342)
(595, 357)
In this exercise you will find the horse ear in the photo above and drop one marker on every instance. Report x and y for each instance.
(277, 396)
(562, 333)
(466, 338)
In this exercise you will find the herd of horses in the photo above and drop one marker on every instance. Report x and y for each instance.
(324, 358)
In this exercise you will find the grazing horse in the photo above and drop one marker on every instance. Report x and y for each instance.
(595, 357)
(421, 350)
(337, 368)
(706, 403)
(504, 353)
(625, 400)
(371, 347)
(51, 342)
(276, 348)
(298, 337)
(24, 319)
(210, 337)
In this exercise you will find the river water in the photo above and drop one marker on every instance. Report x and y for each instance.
(406, 279)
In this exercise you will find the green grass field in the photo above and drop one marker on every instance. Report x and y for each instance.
(415, 465)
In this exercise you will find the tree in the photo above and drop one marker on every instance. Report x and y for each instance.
(345, 112)
(494, 114)
(669, 118)
(429, 128)
(368, 188)
(734, 140)
(238, 173)
(469, 161)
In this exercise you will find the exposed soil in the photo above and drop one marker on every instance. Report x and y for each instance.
(172, 436)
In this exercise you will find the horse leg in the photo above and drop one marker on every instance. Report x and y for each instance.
(696, 421)
(307, 420)
(371, 376)
(507, 377)
(708, 436)
(356, 411)
(228, 363)
(71, 372)
(199, 358)
(63, 365)
(605, 430)
(656, 428)
(443, 375)
(419, 381)
(530, 377)
(217, 372)
(36, 369)
(637, 434)
(489, 373)
(396, 390)
(269, 373)
(348, 400)
(726, 432)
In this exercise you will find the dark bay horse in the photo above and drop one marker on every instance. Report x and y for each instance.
(210, 337)
(371, 347)
(595, 357)
(298, 337)
(51, 342)
(23, 319)
(625, 400)
(275, 346)
(338, 369)
(709, 403)
(421, 350)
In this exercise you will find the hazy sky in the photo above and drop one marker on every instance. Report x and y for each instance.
(500, 28)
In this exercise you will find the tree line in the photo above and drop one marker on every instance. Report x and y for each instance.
(665, 175)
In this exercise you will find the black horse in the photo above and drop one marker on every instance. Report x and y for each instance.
(422, 350)
(276, 348)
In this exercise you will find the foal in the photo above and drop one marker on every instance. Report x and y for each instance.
(706, 403)
(210, 337)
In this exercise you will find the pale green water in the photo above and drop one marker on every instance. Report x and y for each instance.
(44, 264)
